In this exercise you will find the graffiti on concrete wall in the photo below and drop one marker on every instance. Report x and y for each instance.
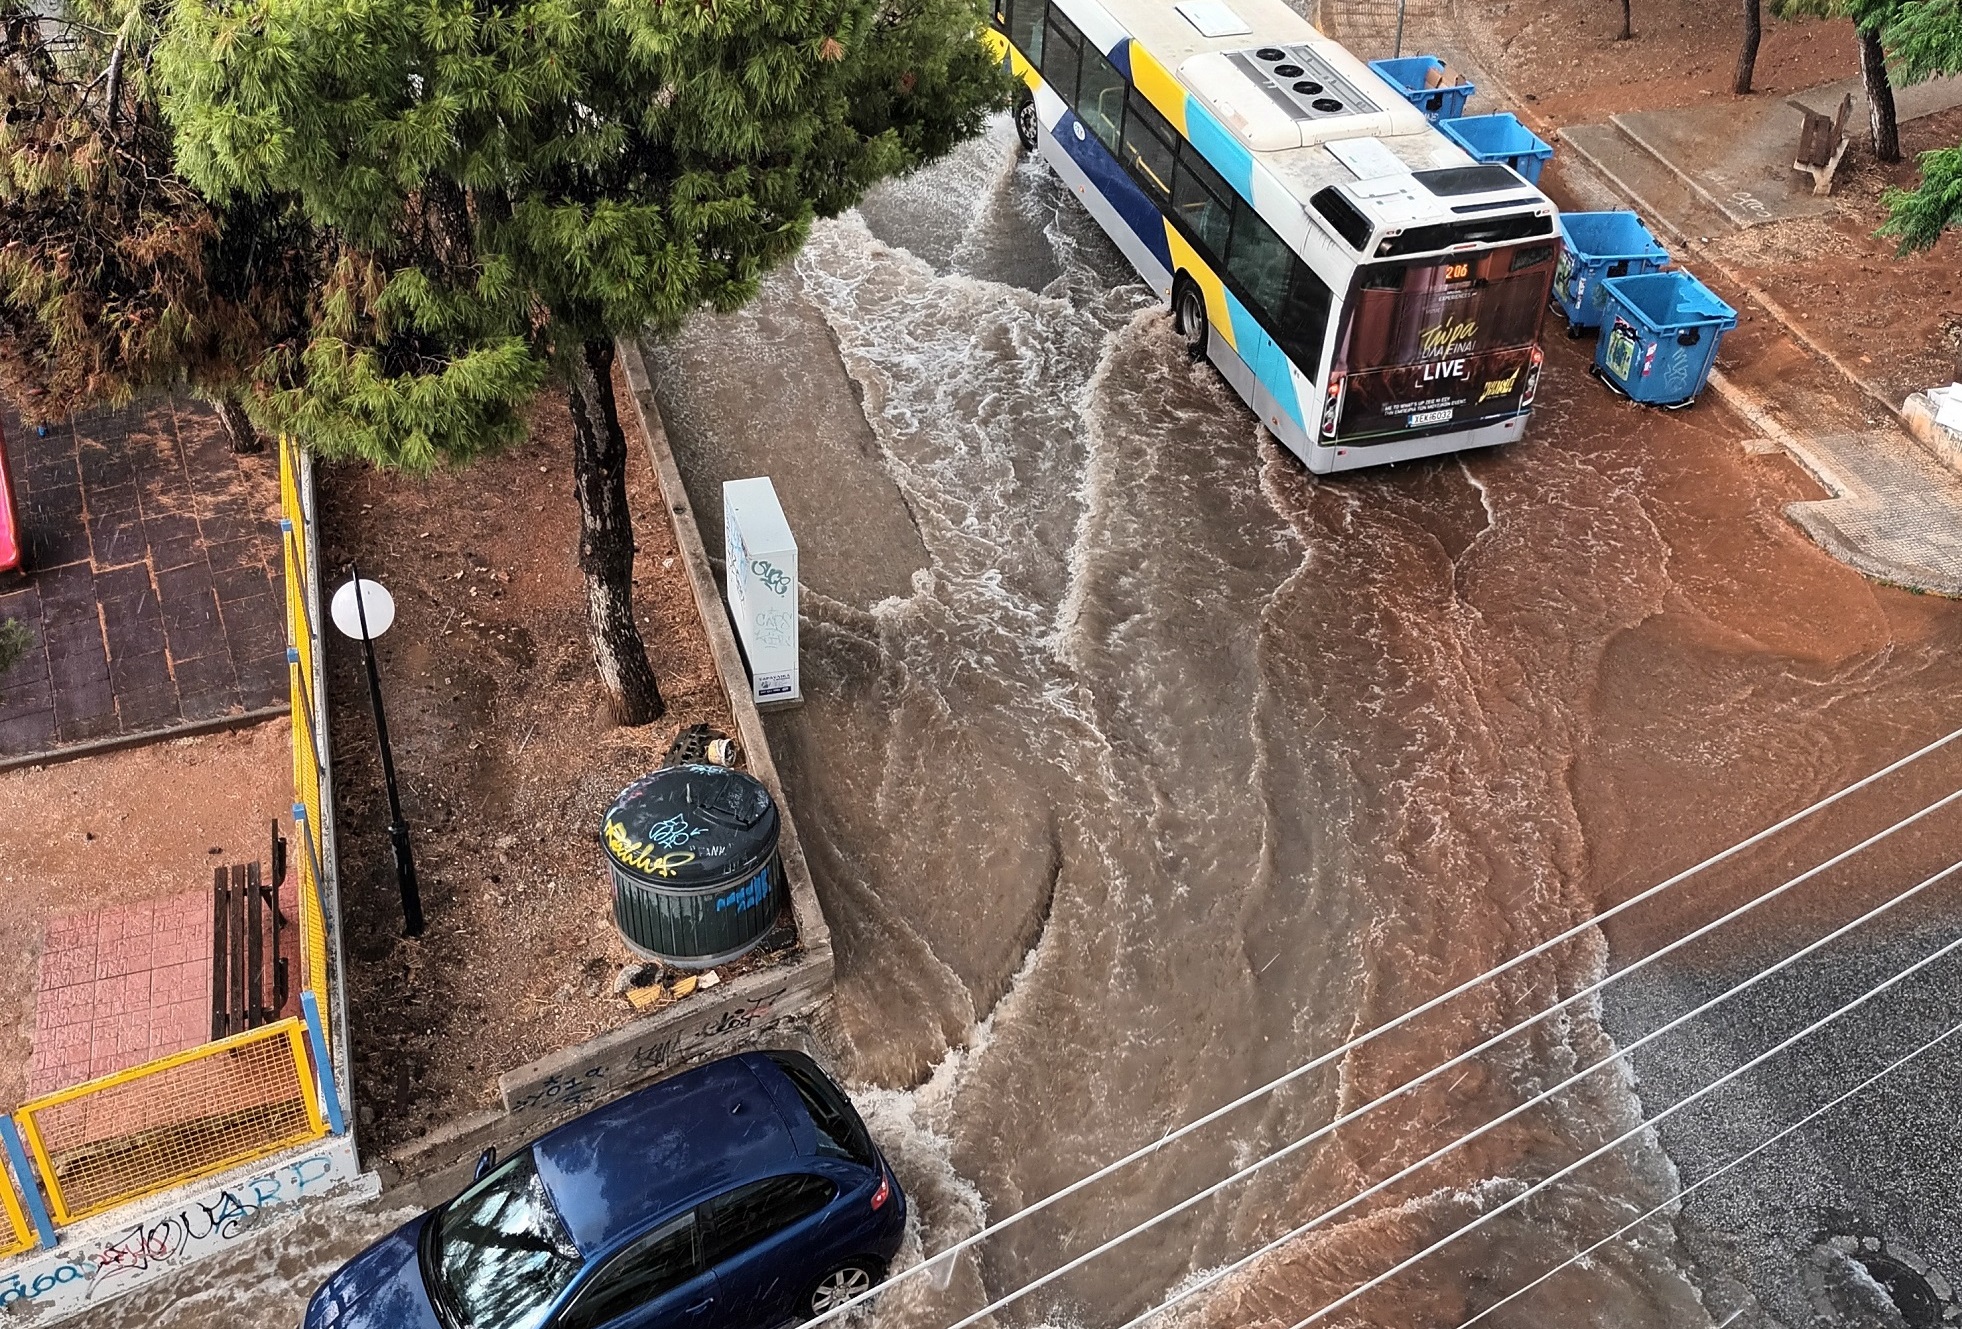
(124, 1255)
(623, 1063)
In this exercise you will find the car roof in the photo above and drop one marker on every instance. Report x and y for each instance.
(617, 1169)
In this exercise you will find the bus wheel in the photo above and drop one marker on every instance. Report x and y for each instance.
(1027, 126)
(1189, 317)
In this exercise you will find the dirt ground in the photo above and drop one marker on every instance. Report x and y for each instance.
(1562, 56)
(1897, 319)
(120, 828)
(507, 762)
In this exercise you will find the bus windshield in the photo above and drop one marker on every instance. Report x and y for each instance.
(1440, 340)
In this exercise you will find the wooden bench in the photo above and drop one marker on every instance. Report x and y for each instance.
(248, 973)
(1822, 143)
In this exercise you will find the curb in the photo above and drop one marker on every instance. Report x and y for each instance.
(197, 728)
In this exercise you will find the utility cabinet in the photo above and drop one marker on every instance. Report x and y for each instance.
(762, 581)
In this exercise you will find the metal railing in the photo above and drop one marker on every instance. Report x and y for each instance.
(15, 1235)
(308, 744)
(132, 1133)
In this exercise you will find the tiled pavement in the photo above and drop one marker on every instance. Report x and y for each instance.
(120, 987)
(152, 584)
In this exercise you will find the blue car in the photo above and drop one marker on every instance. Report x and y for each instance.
(745, 1194)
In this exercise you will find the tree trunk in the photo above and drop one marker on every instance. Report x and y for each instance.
(1880, 97)
(1747, 55)
(238, 425)
(606, 538)
(1627, 21)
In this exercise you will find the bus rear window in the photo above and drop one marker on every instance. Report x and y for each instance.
(1341, 214)
(1487, 230)
(1406, 313)
(1456, 181)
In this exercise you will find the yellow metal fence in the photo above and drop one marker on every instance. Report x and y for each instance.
(309, 848)
(16, 1236)
(169, 1121)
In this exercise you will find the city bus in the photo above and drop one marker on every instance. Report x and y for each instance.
(1372, 292)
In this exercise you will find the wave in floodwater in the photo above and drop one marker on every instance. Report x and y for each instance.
(1177, 767)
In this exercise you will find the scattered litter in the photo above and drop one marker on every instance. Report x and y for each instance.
(647, 998)
(709, 980)
(686, 986)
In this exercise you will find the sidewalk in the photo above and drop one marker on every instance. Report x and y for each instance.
(1801, 380)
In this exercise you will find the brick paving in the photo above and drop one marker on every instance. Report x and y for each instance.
(118, 987)
(152, 584)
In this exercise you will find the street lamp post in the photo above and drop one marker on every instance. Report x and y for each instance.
(363, 610)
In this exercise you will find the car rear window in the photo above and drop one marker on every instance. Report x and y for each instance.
(840, 1132)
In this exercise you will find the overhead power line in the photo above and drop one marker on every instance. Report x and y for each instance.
(944, 1257)
(1885, 985)
(1731, 1166)
(1583, 994)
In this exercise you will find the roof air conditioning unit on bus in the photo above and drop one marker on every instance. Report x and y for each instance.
(1288, 96)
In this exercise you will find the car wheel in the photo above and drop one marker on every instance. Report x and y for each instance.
(840, 1286)
(1027, 125)
(1189, 317)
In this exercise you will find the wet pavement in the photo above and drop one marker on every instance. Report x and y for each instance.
(150, 579)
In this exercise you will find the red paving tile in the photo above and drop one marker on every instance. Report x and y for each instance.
(120, 987)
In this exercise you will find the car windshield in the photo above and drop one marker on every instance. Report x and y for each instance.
(499, 1252)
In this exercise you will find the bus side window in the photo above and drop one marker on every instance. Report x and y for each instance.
(1303, 319)
(1061, 46)
(1284, 292)
(1101, 100)
(1199, 197)
(1024, 27)
(1148, 151)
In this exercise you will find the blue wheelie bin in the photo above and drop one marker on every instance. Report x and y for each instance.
(1599, 245)
(1500, 138)
(1407, 76)
(1659, 337)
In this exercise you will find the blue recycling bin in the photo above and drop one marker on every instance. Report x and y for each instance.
(1599, 245)
(1502, 139)
(1659, 336)
(1407, 77)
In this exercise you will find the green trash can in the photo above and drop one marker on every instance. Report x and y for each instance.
(693, 854)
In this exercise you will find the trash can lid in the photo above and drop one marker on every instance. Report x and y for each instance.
(692, 826)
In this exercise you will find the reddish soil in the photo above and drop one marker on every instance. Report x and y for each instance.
(507, 761)
(120, 829)
(1562, 56)
(1895, 319)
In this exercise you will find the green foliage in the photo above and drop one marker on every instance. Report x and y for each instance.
(115, 275)
(14, 641)
(1917, 217)
(518, 178)
(1924, 38)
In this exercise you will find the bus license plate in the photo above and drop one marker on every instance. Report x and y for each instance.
(1422, 418)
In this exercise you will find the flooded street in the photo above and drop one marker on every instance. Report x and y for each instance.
(1138, 767)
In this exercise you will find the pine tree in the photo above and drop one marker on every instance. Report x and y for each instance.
(116, 276)
(1925, 39)
(518, 182)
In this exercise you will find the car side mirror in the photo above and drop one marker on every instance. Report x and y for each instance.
(485, 1162)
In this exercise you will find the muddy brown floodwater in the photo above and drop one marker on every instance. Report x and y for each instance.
(1137, 766)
